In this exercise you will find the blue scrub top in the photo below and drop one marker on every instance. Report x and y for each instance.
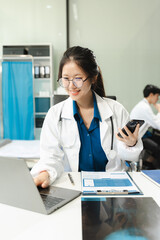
(91, 155)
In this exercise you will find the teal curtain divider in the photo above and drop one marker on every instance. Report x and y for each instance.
(17, 100)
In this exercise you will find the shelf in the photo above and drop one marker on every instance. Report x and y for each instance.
(37, 96)
(41, 58)
(40, 113)
(39, 121)
(37, 133)
(41, 79)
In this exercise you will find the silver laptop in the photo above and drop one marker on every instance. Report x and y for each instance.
(18, 189)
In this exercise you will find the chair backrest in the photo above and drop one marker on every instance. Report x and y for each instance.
(59, 98)
(134, 166)
(112, 97)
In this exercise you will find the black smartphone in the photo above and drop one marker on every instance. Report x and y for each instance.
(131, 125)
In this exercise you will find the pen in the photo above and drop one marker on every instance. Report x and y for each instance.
(113, 192)
(70, 178)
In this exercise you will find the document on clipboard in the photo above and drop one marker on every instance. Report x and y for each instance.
(103, 183)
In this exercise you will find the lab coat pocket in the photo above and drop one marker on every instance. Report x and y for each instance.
(69, 142)
(68, 138)
(71, 147)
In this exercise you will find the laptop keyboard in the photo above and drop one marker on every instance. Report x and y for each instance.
(50, 201)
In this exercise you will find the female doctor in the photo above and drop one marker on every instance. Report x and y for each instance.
(79, 132)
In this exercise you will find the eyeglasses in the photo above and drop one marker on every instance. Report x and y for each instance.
(77, 81)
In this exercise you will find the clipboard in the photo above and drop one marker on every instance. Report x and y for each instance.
(108, 183)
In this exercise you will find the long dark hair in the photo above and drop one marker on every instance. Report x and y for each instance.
(84, 58)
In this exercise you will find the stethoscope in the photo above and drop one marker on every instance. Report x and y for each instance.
(112, 153)
(112, 132)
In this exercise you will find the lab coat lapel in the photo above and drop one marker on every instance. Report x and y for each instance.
(67, 111)
(71, 140)
(105, 112)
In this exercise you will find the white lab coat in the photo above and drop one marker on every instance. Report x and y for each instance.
(60, 142)
(143, 111)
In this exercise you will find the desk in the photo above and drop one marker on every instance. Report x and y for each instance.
(29, 150)
(65, 223)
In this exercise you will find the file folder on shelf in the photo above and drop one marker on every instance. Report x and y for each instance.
(108, 183)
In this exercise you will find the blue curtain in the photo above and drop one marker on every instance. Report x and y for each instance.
(17, 100)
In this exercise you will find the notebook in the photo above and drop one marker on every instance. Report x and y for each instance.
(18, 189)
(124, 218)
(152, 175)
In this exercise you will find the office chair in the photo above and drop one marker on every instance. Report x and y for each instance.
(135, 166)
(112, 97)
(59, 98)
(150, 153)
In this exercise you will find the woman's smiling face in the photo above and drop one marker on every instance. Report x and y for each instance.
(70, 71)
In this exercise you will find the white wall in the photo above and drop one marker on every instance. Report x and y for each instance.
(34, 22)
(125, 37)
(123, 33)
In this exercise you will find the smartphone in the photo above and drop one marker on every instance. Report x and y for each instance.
(131, 125)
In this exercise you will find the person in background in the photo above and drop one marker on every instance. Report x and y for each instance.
(144, 111)
(77, 133)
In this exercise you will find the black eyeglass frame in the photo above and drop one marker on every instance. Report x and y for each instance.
(72, 80)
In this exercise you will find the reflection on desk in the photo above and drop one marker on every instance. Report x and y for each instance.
(65, 223)
(110, 218)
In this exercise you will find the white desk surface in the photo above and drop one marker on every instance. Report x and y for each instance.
(65, 223)
(27, 149)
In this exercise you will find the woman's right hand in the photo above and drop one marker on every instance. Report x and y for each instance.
(42, 179)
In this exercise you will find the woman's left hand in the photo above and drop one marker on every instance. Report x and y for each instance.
(131, 139)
